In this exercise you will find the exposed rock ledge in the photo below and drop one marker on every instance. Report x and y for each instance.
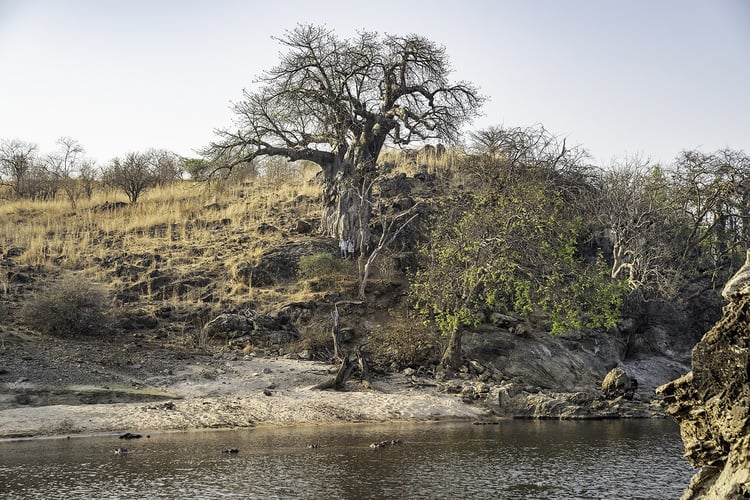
(712, 405)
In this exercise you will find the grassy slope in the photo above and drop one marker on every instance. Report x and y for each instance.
(192, 231)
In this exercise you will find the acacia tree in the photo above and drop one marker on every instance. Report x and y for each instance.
(335, 102)
(70, 169)
(165, 165)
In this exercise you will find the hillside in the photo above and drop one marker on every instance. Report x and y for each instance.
(199, 275)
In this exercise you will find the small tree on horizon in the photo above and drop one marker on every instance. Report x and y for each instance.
(133, 175)
(17, 160)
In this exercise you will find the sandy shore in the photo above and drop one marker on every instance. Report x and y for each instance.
(242, 393)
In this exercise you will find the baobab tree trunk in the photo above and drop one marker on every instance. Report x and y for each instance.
(345, 216)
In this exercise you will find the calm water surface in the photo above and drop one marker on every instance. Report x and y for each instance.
(512, 460)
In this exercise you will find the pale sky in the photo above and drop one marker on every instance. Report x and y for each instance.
(648, 77)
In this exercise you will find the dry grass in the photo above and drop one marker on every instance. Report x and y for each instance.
(49, 231)
(193, 228)
(413, 161)
(148, 253)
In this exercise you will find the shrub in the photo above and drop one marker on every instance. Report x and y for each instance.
(319, 264)
(410, 344)
(69, 306)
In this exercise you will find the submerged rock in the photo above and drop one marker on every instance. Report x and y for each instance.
(712, 405)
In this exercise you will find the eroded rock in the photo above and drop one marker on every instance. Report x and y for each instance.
(712, 405)
(618, 384)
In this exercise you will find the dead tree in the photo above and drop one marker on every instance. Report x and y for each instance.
(349, 362)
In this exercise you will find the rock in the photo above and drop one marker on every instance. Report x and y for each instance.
(280, 263)
(617, 384)
(303, 227)
(712, 405)
(276, 329)
(476, 366)
(502, 320)
(23, 399)
(228, 325)
(138, 320)
(738, 285)
(563, 363)
(14, 252)
(16, 277)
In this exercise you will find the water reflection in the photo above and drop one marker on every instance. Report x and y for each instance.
(516, 459)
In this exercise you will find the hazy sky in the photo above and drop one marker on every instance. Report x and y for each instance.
(650, 77)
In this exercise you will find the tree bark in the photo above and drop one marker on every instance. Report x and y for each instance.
(346, 204)
(335, 333)
(452, 355)
(364, 368)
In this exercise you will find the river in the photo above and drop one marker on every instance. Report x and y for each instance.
(616, 459)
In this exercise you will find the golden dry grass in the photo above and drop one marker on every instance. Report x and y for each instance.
(193, 227)
(180, 223)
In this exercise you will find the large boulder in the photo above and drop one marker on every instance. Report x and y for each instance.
(567, 363)
(228, 326)
(712, 405)
(617, 384)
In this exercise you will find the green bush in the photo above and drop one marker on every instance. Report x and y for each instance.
(319, 264)
(69, 306)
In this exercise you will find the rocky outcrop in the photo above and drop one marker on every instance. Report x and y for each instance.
(276, 329)
(568, 363)
(712, 405)
(582, 405)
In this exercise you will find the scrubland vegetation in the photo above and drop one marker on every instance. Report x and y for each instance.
(509, 221)
(515, 223)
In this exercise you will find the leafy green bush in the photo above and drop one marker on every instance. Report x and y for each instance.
(70, 306)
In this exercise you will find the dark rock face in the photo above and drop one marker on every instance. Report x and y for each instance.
(712, 405)
(538, 376)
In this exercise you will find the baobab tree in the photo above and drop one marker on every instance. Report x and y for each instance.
(336, 102)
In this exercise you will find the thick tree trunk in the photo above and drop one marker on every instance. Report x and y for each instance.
(452, 355)
(344, 215)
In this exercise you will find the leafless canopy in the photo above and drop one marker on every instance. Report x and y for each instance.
(335, 102)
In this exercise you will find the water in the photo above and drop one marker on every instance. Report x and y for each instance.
(512, 460)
